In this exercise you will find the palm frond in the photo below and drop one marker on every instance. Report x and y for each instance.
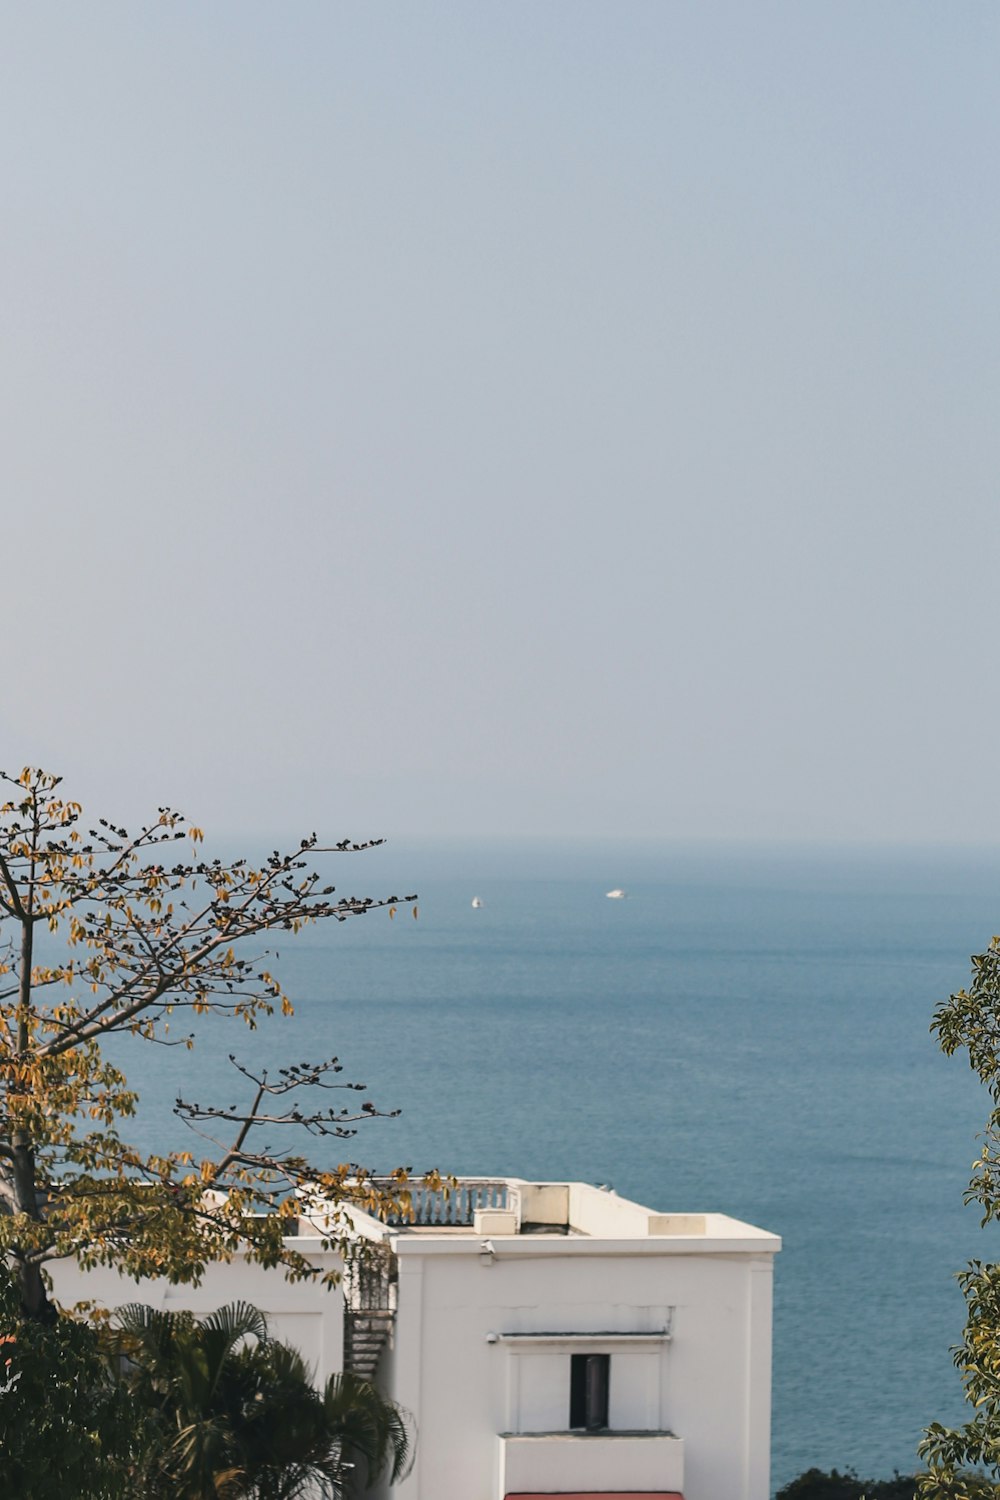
(236, 1321)
(370, 1425)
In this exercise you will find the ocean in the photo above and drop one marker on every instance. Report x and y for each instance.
(746, 1033)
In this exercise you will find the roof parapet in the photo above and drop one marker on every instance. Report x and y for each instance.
(511, 1208)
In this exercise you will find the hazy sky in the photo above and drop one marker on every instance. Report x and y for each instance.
(505, 417)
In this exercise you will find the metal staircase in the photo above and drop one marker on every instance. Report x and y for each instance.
(370, 1285)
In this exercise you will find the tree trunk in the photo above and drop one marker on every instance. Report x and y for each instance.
(21, 1187)
(35, 1303)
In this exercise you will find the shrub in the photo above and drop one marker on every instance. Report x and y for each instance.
(816, 1484)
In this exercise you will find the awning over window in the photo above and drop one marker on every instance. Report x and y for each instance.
(596, 1495)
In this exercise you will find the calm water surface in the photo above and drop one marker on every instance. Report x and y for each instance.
(747, 1033)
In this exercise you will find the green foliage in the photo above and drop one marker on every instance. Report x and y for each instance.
(971, 1019)
(171, 1408)
(235, 1414)
(373, 1430)
(62, 1412)
(819, 1485)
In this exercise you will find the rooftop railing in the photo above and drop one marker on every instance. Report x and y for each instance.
(452, 1206)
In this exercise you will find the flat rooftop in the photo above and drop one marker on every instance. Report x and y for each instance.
(471, 1209)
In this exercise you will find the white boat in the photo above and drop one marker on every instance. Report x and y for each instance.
(616, 895)
(476, 902)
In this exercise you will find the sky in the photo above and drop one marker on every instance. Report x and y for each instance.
(524, 419)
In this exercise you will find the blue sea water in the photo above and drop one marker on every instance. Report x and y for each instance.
(747, 1033)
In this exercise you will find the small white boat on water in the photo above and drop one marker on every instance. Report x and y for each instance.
(616, 895)
(476, 902)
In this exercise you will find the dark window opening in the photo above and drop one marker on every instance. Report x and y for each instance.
(589, 1379)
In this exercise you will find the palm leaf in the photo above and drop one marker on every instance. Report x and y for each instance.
(369, 1425)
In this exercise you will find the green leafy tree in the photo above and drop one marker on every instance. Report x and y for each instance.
(64, 1419)
(964, 1463)
(236, 1414)
(105, 932)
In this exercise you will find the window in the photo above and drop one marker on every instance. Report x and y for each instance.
(588, 1391)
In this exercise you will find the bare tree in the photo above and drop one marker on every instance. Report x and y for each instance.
(139, 941)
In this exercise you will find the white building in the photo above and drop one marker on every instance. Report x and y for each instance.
(549, 1339)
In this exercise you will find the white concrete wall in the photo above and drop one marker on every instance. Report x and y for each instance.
(304, 1314)
(710, 1385)
(532, 1465)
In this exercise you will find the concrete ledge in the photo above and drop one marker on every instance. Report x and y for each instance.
(592, 1463)
(601, 1495)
